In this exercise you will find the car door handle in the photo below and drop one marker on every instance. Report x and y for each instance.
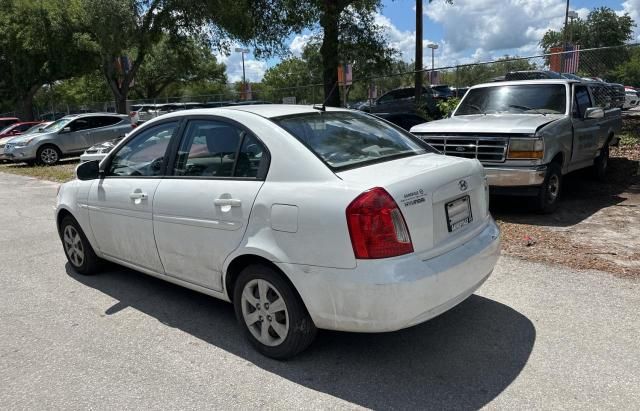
(233, 202)
(138, 195)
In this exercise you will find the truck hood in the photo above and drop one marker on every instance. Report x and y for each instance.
(490, 123)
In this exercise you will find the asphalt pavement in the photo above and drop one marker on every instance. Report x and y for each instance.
(533, 337)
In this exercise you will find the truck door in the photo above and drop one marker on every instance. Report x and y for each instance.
(585, 131)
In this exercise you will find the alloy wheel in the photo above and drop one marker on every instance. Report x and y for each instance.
(265, 312)
(73, 246)
(49, 156)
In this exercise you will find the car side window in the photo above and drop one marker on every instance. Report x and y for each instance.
(144, 155)
(105, 121)
(81, 124)
(582, 101)
(217, 149)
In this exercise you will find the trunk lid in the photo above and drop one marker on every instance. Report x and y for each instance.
(434, 193)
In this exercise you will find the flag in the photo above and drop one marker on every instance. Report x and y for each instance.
(572, 59)
(555, 59)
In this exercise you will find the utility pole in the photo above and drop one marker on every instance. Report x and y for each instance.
(433, 47)
(564, 38)
(418, 66)
(244, 79)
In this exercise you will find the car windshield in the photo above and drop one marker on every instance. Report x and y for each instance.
(34, 128)
(348, 140)
(5, 129)
(523, 98)
(56, 125)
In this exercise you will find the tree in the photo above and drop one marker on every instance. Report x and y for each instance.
(176, 65)
(132, 27)
(602, 28)
(40, 43)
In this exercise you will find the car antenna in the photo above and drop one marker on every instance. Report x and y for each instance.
(322, 107)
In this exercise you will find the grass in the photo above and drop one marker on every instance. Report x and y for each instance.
(59, 173)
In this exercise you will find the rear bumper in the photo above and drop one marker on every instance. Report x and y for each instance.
(391, 294)
(515, 176)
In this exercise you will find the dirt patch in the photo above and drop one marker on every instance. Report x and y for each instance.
(597, 225)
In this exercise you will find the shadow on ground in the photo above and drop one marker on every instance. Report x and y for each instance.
(582, 196)
(460, 360)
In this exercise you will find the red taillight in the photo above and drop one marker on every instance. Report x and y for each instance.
(377, 227)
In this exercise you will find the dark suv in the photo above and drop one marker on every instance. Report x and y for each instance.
(403, 100)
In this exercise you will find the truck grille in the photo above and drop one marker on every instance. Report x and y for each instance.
(489, 149)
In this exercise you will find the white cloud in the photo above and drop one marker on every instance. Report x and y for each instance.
(254, 69)
(494, 26)
(298, 43)
(632, 7)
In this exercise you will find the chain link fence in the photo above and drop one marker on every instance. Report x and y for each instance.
(613, 67)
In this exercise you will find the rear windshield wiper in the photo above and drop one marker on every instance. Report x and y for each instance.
(527, 108)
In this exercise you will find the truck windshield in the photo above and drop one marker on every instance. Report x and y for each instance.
(523, 98)
(347, 140)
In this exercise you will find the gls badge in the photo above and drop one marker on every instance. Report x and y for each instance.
(462, 184)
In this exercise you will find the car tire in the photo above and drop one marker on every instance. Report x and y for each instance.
(547, 200)
(601, 164)
(279, 333)
(77, 248)
(48, 155)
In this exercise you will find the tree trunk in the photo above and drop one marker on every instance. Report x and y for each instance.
(25, 104)
(329, 52)
(418, 67)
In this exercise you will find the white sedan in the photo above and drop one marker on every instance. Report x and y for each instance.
(302, 217)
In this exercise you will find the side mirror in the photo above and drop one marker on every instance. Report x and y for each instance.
(89, 170)
(66, 130)
(594, 112)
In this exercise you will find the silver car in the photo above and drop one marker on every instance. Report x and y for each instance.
(70, 135)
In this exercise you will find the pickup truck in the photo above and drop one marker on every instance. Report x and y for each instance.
(528, 134)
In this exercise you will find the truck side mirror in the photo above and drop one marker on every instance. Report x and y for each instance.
(594, 112)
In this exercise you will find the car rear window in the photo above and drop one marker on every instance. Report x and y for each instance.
(346, 140)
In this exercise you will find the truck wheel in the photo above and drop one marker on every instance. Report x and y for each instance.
(601, 164)
(547, 200)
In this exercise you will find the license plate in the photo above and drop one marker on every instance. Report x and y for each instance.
(458, 213)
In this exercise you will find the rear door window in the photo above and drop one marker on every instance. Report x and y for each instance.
(582, 101)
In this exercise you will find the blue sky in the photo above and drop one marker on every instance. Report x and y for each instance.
(467, 31)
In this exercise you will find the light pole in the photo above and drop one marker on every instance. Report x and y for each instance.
(433, 47)
(572, 15)
(244, 81)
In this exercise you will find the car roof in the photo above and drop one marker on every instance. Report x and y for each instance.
(526, 82)
(9, 118)
(81, 115)
(274, 110)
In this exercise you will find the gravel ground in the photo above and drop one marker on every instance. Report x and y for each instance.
(534, 337)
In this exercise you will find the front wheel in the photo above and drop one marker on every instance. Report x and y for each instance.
(77, 248)
(48, 155)
(547, 200)
(271, 313)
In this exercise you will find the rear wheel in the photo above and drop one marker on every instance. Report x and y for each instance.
(601, 164)
(48, 155)
(271, 313)
(547, 200)
(77, 248)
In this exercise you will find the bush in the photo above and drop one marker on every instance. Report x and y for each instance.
(447, 106)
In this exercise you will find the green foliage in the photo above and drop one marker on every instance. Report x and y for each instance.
(40, 42)
(446, 107)
(169, 64)
(602, 28)
(469, 75)
(628, 73)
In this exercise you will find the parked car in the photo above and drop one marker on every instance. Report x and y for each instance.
(144, 112)
(16, 129)
(7, 121)
(630, 98)
(403, 120)
(100, 150)
(37, 127)
(302, 217)
(71, 135)
(442, 92)
(4, 140)
(403, 100)
(527, 136)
